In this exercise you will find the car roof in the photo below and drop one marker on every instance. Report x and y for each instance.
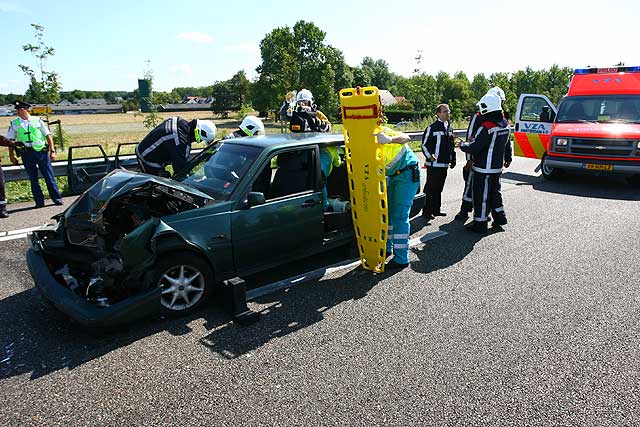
(293, 139)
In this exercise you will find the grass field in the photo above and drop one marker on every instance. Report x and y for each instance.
(110, 130)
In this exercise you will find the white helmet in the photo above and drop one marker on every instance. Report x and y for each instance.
(205, 131)
(304, 95)
(498, 92)
(251, 125)
(488, 103)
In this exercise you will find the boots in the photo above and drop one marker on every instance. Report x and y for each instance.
(3, 211)
(477, 227)
(462, 215)
(499, 218)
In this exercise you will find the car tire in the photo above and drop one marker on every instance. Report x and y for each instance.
(186, 280)
(549, 172)
(634, 180)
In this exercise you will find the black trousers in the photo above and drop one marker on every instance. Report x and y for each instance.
(433, 189)
(467, 194)
(487, 197)
(3, 195)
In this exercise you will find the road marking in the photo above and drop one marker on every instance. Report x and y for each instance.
(22, 230)
(321, 272)
(13, 237)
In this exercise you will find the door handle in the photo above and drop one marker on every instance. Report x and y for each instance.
(310, 203)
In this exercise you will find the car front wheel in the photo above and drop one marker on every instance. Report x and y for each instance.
(186, 281)
(549, 172)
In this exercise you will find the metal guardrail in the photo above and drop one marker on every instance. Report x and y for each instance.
(62, 167)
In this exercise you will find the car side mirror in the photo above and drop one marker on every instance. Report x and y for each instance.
(255, 198)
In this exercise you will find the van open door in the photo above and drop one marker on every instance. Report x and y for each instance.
(534, 117)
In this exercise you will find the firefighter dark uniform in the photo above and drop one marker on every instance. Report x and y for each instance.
(437, 141)
(309, 121)
(491, 150)
(467, 172)
(168, 143)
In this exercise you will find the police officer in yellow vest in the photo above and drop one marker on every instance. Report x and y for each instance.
(34, 143)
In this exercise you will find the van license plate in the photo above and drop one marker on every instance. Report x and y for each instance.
(598, 167)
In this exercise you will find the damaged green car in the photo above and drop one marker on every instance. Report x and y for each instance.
(134, 244)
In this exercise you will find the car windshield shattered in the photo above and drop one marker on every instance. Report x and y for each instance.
(218, 169)
(602, 109)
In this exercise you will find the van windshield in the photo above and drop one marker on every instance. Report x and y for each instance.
(601, 108)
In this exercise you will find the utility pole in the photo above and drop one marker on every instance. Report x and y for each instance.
(418, 59)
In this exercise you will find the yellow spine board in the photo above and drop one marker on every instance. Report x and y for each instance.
(361, 112)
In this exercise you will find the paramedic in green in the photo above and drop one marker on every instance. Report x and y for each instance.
(34, 143)
(403, 181)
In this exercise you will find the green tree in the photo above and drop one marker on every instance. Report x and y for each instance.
(420, 90)
(223, 98)
(240, 88)
(44, 85)
(297, 58)
(362, 76)
(343, 73)
(479, 86)
(379, 70)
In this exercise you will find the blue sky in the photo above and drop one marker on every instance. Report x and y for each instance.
(104, 45)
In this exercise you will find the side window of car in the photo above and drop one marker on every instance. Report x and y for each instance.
(287, 173)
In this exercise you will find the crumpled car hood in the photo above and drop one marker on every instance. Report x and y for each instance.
(120, 182)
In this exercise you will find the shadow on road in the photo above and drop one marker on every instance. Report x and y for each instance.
(612, 187)
(291, 310)
(36, 339)
(450, 250)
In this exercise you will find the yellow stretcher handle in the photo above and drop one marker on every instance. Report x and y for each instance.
(361, 116)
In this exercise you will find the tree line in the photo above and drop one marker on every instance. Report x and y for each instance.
(298, 57)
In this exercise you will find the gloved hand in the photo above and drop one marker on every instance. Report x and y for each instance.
(383, 138)
(452, 165)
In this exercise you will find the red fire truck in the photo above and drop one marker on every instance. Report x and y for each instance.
(595, 129)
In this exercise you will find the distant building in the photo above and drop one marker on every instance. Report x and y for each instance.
(7, 110)
(66, 108)
(193, 106)
(197, 100)
(91, 101)
(387, 98)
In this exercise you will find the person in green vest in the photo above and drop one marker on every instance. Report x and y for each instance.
(34, 144)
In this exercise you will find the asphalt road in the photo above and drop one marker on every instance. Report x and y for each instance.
(533, 325)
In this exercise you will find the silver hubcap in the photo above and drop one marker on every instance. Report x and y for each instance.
(182, 287)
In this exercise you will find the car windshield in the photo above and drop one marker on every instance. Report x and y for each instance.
(601, 108)
(219, 168)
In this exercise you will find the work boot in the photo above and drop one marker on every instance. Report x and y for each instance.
(427, 215)
(462, 216)
(393, 265)
(477, 227)
(499, 218)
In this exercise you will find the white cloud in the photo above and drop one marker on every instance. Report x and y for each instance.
(181, 69)
(196, 37)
